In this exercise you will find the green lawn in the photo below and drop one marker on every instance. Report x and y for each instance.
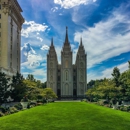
(67, 116)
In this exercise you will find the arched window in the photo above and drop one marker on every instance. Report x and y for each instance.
(51, 78)
(66, 75)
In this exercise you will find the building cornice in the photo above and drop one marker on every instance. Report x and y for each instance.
(12, 7)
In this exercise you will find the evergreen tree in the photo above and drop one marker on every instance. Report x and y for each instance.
(18, 87)
(4, 86)
(116, 76)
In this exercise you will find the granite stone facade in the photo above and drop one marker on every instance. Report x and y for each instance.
(67, 80)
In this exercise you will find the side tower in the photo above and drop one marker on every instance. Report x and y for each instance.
(52, 64)
(81, 70)
(66, 69)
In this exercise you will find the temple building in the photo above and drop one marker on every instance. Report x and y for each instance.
(67, 80)
(11, 22)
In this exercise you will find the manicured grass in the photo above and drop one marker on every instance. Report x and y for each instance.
(67, 116)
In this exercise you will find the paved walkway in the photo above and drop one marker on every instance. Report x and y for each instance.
(68, 101)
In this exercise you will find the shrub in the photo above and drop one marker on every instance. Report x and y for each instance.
(18, 106)
(128, 108)
(107, 105)
(2, 109)
(33, 104)
(105, 102)
(100, 103)
(28, 105)
(13, 110)
(39, 103)
(83, 100)
(1, 114)
(124, 108)
(95, 99)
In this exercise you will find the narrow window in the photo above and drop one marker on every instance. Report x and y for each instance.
(66, 75)
(10, 64)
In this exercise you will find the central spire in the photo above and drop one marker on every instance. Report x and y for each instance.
(66, 37)
(81, 41)
(52, 41)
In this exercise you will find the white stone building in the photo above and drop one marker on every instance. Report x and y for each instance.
(67, 80)
(11, 22)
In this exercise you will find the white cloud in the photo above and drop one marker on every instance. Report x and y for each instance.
(39, 38)
(33, 61)
(37, 72)
(29, 57)
(101, 43)
(35, 64)
(107, 72)
(44, 47)
(34, 58)
(26, 50)
(119, 59)
(72, 3)
(49, 29)
(54, 9)
(31, 27)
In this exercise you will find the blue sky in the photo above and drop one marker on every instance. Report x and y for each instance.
(104, 26)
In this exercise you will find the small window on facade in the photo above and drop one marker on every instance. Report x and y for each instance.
(0, 25)
(58, 78)
(74, 78)
(0, 16)
(11, 56)
(10, 64)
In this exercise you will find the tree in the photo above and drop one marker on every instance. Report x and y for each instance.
(91, 94)
(18, 88)
(30, 77)
(33, 91)
(49, 94)
(43, 85)
(38, 83)
(108, 90)
(116, 76)
(4, 88)
(129, 65)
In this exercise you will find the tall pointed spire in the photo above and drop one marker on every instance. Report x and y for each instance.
(66, 37)
(52, 41)
(81, 41)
